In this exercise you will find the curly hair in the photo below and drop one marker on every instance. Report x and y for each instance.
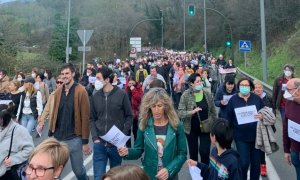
(153, 96)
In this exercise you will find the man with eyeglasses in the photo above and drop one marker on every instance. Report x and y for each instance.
(291, 124)
(48, 110)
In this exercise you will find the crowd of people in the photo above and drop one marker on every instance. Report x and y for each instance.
(171, 104)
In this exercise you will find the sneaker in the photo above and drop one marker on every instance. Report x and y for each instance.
(263, 170)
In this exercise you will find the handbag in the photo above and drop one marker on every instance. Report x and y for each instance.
(17, 170)
(205, 125)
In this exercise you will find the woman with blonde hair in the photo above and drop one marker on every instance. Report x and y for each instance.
(127, 171)
(160, 136)
(47, 160)
(31, 105)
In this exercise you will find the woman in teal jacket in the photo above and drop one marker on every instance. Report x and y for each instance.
(160, 137)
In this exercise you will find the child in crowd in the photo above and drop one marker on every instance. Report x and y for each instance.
(224, 162)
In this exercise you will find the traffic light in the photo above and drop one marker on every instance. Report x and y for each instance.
(191, 10)
(228, 43)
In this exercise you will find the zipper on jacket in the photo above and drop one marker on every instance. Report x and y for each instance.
(105, 117)
(150, 141)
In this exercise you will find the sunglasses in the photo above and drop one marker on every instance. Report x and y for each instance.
(59, 82)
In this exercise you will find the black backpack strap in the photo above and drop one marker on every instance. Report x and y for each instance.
(11, 139)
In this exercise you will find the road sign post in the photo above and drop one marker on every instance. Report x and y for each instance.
(136, 42)
(245, 47)
(84, 36)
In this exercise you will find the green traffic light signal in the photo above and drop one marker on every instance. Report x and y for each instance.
(228, 43)
(191, 10)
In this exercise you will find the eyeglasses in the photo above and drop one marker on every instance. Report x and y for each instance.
(39, 172)
(59, 82)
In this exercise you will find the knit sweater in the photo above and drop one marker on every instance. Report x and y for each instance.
(22, 145)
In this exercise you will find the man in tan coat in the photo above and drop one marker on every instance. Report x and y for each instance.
(4, 82)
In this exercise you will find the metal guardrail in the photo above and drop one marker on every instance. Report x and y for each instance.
(267, 88)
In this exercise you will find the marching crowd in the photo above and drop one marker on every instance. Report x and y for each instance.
(175, 105)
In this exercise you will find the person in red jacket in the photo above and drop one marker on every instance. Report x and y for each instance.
(135, 93)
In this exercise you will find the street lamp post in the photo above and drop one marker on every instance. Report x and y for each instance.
(68, 33)
(160, 19)
(184, 25)
(204, 15)
(162, 30)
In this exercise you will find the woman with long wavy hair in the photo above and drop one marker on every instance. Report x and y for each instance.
(160, 136)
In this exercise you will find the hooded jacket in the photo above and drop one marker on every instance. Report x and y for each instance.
(22, 145)
(219, 96)
(223, 167)
(107, 111)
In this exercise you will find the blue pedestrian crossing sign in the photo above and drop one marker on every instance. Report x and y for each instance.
(245, 45)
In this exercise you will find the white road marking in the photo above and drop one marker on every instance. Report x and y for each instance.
(272, 173)
(86, 161)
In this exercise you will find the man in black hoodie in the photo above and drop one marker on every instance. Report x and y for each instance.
(110, 106)
(224, 161)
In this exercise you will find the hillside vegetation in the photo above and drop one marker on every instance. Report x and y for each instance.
(281, 50)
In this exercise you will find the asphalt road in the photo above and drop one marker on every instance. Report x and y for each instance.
(276, 166)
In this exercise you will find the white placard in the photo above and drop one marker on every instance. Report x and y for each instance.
(283, 87)
(5, 101)
(226, 98)
(246, 114)
(294, 130)
(195, 173)
(115, 137)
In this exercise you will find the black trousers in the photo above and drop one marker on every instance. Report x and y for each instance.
(194, 147)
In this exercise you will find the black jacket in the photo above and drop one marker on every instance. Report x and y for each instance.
(33, 105)
(115, 109)
(223, 167)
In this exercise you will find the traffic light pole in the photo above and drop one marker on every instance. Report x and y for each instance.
(226, 19)
(263, 41)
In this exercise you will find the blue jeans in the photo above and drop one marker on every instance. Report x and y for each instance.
(101, 155)
(76, 157)
(28, 122)
(249, 155)
(296, 162)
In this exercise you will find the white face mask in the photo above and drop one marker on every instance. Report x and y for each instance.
(88, 74)
(114, 84)
(19, 79)
(45, 74)
(98, 85)
(33, 75)
(287, 73)
(288, 96)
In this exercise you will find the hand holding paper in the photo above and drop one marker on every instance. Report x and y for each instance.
(195, 173)
(115, 137)
(246, 114)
